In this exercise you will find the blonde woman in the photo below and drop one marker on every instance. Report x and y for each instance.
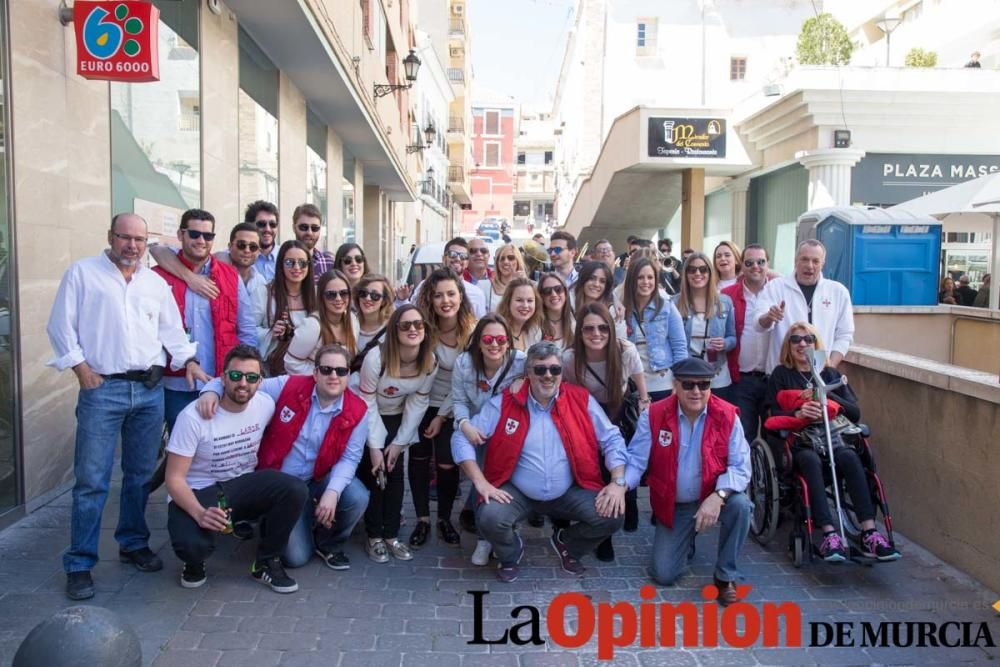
(728, 263)
(334, 323)
(521, 308)
(507, 265)
(373, 305)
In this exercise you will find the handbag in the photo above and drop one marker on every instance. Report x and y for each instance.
(359, 358)
(814, 435)
(627, 418)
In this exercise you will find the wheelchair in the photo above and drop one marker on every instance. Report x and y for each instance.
(780, 492)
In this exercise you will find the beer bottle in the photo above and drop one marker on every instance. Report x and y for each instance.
(224, 506)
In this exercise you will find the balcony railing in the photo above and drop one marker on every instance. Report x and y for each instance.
(456, 26)
(456, 124)
(456, 74)
(456, 174)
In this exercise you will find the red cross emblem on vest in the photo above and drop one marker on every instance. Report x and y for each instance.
(511, 426)
(287, 415)
(666, 437)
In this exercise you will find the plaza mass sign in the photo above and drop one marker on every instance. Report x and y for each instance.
(687, 137)
(892, 178)
(117, 41)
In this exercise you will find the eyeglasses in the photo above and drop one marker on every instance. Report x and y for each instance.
(596, 328)
(479, 251)
(138, 240)
(689, 385)
(557, 250)
(334, 294)
(808, 339)
(454, 254)
(406, 325)
(490, 340)
(508, 258)
(554, 370)
(370, 295)
(243, 245)
(305, 228)
(194, 235)
(702, 269)
(341, 371)
(750, 263)
(236, 376)
(549, 291)
(352, 259)
(296, 263)
(607, 252)
(273, 224)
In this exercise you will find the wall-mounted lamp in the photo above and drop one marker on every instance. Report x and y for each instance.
(411, 65)
(429, 135)
(841, 138)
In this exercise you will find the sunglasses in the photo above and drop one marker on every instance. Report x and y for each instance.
(306, 228)
(334, 294)
(352, 259)
(454, 254)
(479, 251)
(296, 263)
(243, 245)
(556, 250)
(490, 340)
(508, 258)
(553, 370)
(750, 263)
(808, 339)
(341, 371)
(703, 270)
(596, 328)
(549, 291)
(689, 385)
(371, 296)
(416, 325)
(236, 376)
(273, 224)
(194, 234)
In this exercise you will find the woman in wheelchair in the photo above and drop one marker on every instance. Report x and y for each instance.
(790, 397)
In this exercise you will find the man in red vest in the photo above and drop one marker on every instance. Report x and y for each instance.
(698, 461)
(317, 434)
(543, 443)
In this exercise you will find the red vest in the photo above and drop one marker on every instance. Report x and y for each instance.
(224, 308)
(572, 421)
(663, 452)
(290, 412)
(735, 292)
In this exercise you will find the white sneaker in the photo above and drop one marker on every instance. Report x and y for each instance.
(481, 556)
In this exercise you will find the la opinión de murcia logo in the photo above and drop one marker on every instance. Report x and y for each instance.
(117, 41)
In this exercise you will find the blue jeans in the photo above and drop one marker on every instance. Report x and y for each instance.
(671, 547)
(305, 536)
(116, 408)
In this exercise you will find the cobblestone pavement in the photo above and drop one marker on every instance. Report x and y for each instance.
(420, 613)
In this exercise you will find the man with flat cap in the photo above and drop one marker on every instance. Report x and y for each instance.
(698, 461)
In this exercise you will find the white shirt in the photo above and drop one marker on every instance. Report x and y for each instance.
(753, 342)
(114, 325)
(386, 395)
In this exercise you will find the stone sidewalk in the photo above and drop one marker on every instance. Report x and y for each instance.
(420, 613)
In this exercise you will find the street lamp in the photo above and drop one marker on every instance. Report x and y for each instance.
(411, 65)
(429, 135)
(887, 24)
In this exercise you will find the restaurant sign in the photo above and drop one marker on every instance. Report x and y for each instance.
(687, 137)
(892, 178)
(117, 41)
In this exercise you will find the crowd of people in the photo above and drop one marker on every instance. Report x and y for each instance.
(296, 386)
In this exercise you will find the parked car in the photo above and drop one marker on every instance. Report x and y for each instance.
(422, 262)
(488, 225)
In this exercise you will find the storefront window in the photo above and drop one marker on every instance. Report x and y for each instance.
(258, 124)
(9, 466)
(718, 220)
(316, 166)
(156, 128)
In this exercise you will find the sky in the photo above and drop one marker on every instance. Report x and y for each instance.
(517, 46)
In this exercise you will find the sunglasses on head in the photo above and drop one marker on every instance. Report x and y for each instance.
(251, 246)
(341, 371)
(479, 251)
(454, 254)
(296, 263)
(370, 295)
(490, 340)
(307, 228)
(750, 263)
(689, 385)
(554, 289)
(194, 234)
(553, 370)
(808, 339)
(236, 376)
(702, 269)
(557, 250)
(334, 294)
(273, 224)
(352, 259)
(406, 325)
(596, 328)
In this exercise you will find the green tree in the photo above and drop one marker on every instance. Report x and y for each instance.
(824, 41)
(916, 57)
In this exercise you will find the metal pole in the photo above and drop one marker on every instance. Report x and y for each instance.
(888, 35)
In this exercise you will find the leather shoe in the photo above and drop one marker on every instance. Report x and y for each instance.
(727, 592)
(79, 585)
(143, 559)
(448, 534)
(418, 537)
(605, 551)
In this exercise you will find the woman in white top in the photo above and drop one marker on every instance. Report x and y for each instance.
(597, 284)
(445, 307)
(291, 296)
(521, 309)
(396, 381)
(373, 306)
(728, 263)
(557, 317)
(334, 323)
(507, 265)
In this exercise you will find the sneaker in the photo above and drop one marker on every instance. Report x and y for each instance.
(377, 551)
(874, 545)
(79, 585)
(467, 520)
(272, 573)
(143, 559)
(399, 550)
(481, 556)
(568, 563)
(335, 560)
(605, 551)
(510, 572)
(833, 549)
(448, 534)
(193, 575)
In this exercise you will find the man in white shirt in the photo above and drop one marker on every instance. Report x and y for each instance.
(806, 296)
(479, 273)
(111, 320)
(213, 481)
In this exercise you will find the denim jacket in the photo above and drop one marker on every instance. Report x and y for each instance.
(664, 334)
(471, 390)
(722, 324)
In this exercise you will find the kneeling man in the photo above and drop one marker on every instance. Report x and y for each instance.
(692, 444)
(543, 443)
(317, 435)
(213, 462)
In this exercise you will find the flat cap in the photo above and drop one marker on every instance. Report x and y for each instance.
(693, 367)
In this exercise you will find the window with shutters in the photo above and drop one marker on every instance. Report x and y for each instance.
(367, 22)
(737, 68)
(491, 154)
(491, 122)
(645, 38)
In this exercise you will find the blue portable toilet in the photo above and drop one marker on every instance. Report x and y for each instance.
(884, 257)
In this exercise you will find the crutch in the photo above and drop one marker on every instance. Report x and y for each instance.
(821, 389)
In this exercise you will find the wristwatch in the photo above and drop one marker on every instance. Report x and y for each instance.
(724, 494)
(620, 481)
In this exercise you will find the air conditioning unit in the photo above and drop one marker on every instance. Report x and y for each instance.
(458, 10)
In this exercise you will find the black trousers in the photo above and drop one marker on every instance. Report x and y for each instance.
(384, 506)
(270, 496)
(849, 469)
(419, 468)
(748, 395)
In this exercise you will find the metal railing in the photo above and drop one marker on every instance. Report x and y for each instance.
(456, 26)
(456, 174)
(456, 74)
(456, 124)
